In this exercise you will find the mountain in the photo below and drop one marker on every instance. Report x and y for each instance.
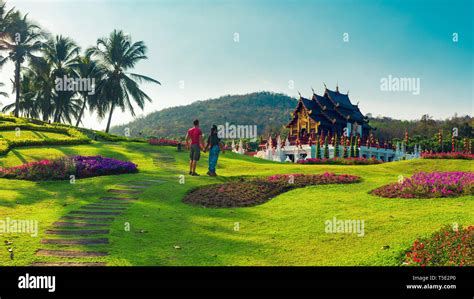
(268, 111)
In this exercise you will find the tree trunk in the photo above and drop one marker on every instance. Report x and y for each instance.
(17, 88)
(110, 118)
(82, 112)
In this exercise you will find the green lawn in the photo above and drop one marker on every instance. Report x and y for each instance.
(27, 134)
(287, 230)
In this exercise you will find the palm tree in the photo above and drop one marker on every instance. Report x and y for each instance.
(116, 55)
(21, 39)
(27, 105)
(43, 87)
(61, 54)
(88, 69)
(2, 93)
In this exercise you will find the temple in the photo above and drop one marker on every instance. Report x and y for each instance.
(330, 114)
(333, 122)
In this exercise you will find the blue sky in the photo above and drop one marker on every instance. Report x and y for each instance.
(192, 42)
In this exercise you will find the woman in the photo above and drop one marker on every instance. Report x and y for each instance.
(214, 143)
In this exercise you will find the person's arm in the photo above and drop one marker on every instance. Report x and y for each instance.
(202, 139)
(222, 146)
(187, 140)
(208, 142)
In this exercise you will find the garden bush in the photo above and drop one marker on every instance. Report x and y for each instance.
(246, 193)
(451, 246)
(340, 161)
(430, 185)
(63, 168)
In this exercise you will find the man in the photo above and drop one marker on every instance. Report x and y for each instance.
(195, 134)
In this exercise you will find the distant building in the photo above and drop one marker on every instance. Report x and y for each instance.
(327, 115)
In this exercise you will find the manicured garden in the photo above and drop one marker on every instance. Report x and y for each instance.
(286, 230)
(62, 168)
(247, 193)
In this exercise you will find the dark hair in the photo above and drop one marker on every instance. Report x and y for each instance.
(214, 129)
(196, 122)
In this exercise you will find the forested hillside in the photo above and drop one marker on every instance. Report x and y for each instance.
(268, 111)
(271, 112)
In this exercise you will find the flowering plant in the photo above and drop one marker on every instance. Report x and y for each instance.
(427, 185)
(447, 247)
(163, 141)
(340, 161)
(450, 155)
(62, 168)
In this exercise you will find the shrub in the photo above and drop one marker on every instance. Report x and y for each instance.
(72, 136)
(447, 247)
(340, 161)
(246, 193)
(429, 185)
(451, 155)
(62, 168)
(163, 141)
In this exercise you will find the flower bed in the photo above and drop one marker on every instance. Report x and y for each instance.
(447, 247)
(163, 141)
(430, 185)
(63, 168)
(246, 193)
(340, 161)
(451, 155)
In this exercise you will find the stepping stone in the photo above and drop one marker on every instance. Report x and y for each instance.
(154, 181)
(101, 208)
(119, 198)
(77, 232)
(68, 264)
(143, 183)
(78, 224)
(132, 186)
(75, 241)
(87, 218)
(94, 213)
(124, 191)
(70, 253)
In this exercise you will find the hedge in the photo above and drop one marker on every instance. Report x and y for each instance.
(73, 136)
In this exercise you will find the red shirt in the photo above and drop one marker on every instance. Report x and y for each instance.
(195, 134)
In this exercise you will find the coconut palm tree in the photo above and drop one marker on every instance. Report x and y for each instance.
(61, 54)
(27, 106)
(87, 68)
(117, 55)
(43, 87)
(2, 93)
(21, 39)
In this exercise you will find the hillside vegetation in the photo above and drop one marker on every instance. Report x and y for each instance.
(268, 111)
(271, 112)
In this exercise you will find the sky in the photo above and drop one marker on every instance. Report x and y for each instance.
(205, 49)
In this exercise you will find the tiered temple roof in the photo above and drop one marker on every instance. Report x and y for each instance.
(333, 111)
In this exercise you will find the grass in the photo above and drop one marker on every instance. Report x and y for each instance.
(27, 134)
(287, 230)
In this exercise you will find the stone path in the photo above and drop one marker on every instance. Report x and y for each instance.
(89, 226)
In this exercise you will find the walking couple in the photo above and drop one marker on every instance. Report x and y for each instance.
(213, 143)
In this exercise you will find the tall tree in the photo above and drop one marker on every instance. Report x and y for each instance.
(119, 88)
(27, 105)
(87, 68)
(21, 39)
(61, 53)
